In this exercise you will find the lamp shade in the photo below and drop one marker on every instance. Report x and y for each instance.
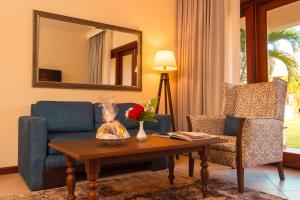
(165, 61)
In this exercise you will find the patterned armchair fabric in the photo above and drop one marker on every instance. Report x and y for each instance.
(262, 142)
(262, 104)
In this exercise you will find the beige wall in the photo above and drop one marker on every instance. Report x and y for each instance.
(64, 46)
(284, 17)
(156, 22)
(121, 38)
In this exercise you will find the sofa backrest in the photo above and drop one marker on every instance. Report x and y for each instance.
(121, 108)
(65, 116)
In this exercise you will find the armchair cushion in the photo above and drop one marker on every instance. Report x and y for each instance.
(229, 146)
(233, 125)
(256, 100)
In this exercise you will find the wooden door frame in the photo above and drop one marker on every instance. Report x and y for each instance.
(118, 53)
(257, 55)
(256, 36)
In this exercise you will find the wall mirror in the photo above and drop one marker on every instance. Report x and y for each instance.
(75, 53)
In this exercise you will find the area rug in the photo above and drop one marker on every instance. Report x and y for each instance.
(151, 185)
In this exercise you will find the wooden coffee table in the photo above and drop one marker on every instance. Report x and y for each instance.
(93, 153)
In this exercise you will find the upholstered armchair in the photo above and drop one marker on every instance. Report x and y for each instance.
(260, 139)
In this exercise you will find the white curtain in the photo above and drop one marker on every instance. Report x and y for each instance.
(200, 49)
(99, 58)
(106, 61)
(232, 41)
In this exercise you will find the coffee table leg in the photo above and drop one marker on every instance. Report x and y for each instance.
(92, 169)
(171, 169)
(70, 180)
(204, 170)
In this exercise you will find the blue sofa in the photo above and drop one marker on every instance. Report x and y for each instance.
(53, 121)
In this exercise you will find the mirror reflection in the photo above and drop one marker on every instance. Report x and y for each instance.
(76, 53)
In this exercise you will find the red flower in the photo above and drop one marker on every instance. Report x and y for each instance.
(135, 112)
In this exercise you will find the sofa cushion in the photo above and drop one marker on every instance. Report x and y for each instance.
(121, 108)
(58, 161)
(53, 137)
(98, 115)
(66, 116)
(256, 100)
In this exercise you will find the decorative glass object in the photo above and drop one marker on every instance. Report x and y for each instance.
(141, 136)
(111, 132)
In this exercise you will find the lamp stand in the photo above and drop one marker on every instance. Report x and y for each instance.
(164, 80)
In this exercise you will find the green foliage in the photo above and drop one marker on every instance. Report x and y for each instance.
(289, 34)
(293, 37)
(154, 102)
(287, 59)
(243, 64)
(294, 85)
(292, 133)
(148, 116)
(149, 107)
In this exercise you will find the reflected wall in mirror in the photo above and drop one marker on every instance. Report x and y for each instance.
(76, 53)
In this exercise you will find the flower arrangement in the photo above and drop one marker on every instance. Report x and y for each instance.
(143, 112)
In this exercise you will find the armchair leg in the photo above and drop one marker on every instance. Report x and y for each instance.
(191, 165)
(280, 170)
(240, 178)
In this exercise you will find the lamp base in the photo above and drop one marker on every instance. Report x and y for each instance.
(164, 80)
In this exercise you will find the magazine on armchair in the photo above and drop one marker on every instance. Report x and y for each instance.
(188, 136)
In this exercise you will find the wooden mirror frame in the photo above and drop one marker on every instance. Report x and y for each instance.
(35, 83)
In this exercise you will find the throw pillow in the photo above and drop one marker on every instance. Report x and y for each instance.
(233, 125)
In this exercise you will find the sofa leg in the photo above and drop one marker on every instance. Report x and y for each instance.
(280, 170)
(191, 165)
(240, 178)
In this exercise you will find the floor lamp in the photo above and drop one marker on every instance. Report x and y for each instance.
(164, 62)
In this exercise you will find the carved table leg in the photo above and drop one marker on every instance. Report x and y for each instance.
(171, 169)
(70, 180)
(204, 170)
(92, 169)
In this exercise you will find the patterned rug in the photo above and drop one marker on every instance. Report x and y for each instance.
(150, 185)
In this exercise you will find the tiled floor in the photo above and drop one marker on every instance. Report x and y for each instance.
(263, 178)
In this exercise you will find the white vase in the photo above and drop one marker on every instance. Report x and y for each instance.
(141, 136)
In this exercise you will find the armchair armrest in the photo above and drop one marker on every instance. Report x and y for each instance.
(164, 124)
(32, 150)
(262, 141)
(205, 123)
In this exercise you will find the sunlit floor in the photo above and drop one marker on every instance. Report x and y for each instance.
(263, 178)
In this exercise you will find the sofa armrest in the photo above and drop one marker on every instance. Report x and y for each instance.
(32, 150)
(164, 124)
(262, 141)
(207, 124)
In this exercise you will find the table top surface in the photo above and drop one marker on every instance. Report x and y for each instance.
(95, 149)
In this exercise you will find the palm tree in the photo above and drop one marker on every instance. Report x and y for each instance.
(289, 34)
